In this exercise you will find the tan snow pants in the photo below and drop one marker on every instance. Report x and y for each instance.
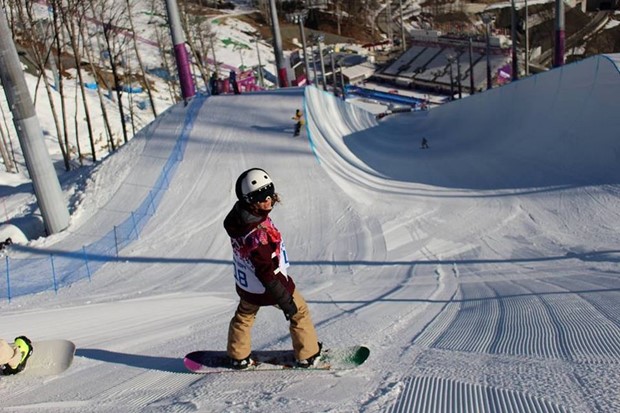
(303, 334)
(9, 355)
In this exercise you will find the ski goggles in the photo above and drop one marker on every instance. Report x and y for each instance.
(261, 195)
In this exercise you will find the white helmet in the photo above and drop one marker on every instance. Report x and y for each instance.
(254, 185)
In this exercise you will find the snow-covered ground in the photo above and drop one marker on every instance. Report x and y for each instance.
(483, 273)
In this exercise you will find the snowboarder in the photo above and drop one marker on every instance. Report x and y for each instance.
(214, 84)
(232, 79)
(260, 264)
(13, 358)
(424, 144)
(299, 119)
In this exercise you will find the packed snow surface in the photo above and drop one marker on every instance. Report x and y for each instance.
(483, 272)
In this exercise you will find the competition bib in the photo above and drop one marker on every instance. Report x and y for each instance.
(283, 260)
(245, 274)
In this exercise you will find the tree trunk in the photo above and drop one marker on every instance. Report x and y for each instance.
(104, 111)
(73, 35)
(42, 71)
(172, 86)
(8, 162)
(59, 40)
(192, 47)
(95, 73)
(147, 84)
(118, 87)
(8, 134)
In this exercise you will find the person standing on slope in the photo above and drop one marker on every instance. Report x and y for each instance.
(232, 79)
(299, 121)
(13, 357)
(214, 84)
(260, 270)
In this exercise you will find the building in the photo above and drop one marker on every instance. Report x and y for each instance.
(441, 63)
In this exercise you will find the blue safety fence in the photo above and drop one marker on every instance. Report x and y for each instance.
(383, 96)
(56, 269)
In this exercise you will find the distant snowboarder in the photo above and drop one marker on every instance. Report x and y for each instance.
(299, 119)
(424, 144)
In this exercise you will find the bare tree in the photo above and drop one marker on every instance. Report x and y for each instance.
(99, 79)
(27, 20)
(72, 19)
(165, 46)
(338, 6)
(59, 42)
(9, 165)
(76, 124)
(263, 6)
(12, 160)
(10, 8)
(146, 82)
(130, 91)
(197, 31)
(112, 17)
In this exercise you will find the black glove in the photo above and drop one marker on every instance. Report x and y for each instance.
(284, 299)
(289, 309)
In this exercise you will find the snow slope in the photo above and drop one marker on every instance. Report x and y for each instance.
(482, 272)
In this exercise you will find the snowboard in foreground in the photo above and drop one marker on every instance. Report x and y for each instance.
(211, 361)
(49, 357)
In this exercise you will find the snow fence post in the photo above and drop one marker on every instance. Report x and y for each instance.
(178, 150)
(86, 262)
(166, 180)
(8, 279)
(151, 204)
(116, 241)
(135, 227)
(54, 273)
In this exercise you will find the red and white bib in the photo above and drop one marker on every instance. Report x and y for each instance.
(245, 273)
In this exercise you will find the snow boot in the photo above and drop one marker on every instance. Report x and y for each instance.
(310, 361)
(241, 364)
(25, 347)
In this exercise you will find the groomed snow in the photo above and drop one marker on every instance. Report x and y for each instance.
(482, 272)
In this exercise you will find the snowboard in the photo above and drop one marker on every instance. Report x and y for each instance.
(214, 361)
(49, 357)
